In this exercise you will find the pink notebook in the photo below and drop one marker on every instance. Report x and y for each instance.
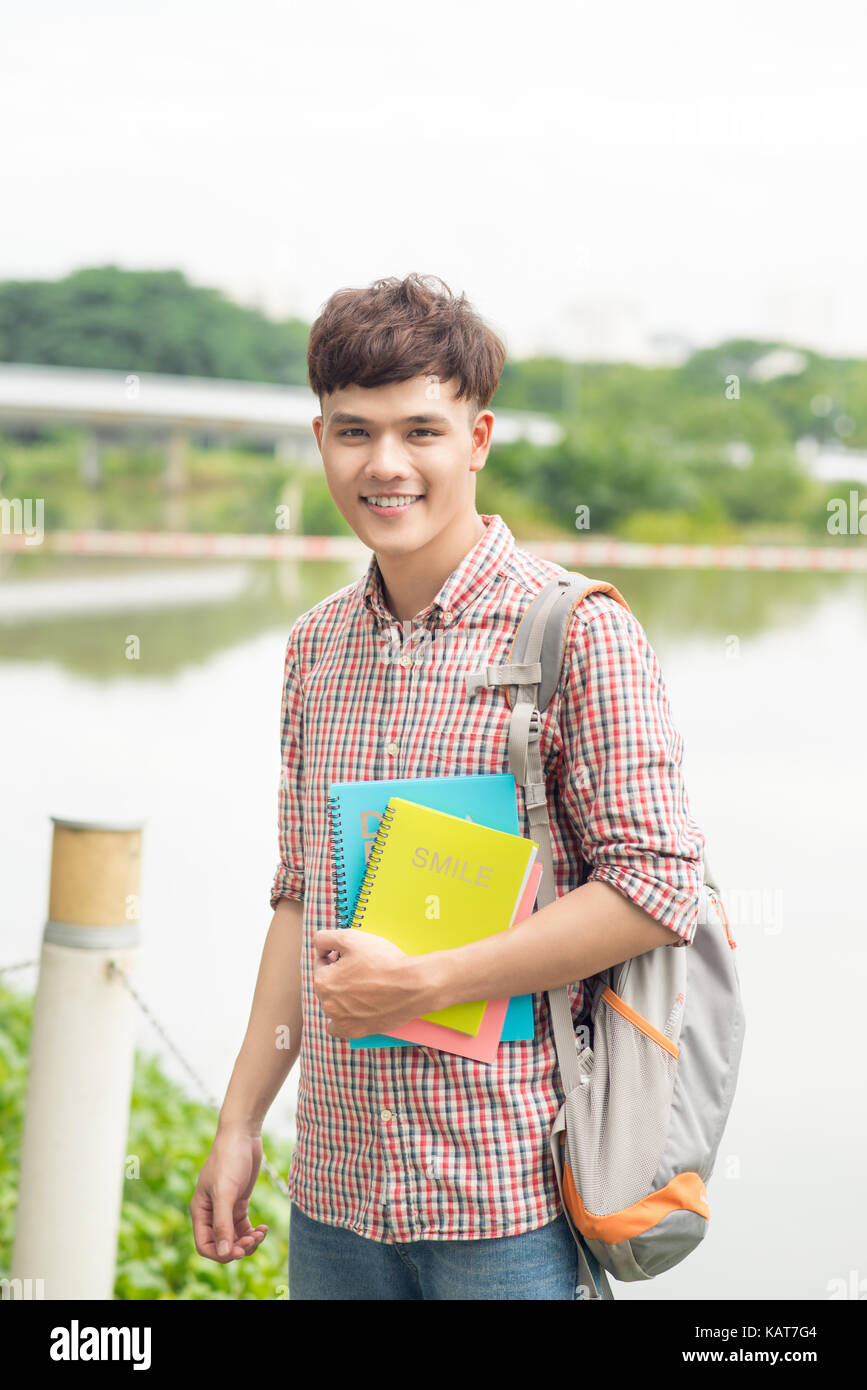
(483, 1047)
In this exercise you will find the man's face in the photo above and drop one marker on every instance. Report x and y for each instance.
(400, 460)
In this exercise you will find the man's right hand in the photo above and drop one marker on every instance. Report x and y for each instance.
(220, 1203)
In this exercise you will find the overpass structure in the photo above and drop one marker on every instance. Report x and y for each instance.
(108, 406)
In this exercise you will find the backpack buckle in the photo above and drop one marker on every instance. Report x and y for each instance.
(476, 680)
(525, 673)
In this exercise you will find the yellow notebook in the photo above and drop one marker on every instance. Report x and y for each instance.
(434, 881)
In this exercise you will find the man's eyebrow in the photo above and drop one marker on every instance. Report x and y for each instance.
(342, 417)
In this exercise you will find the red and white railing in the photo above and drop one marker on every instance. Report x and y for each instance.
(571, 553)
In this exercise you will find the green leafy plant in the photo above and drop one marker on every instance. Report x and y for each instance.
(168, 1142)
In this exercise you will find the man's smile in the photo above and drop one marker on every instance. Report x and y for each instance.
(391, 503)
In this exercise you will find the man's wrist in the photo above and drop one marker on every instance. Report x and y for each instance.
(229, 1123)
(427, 977)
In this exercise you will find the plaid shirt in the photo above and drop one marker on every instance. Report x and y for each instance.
(409, 1143)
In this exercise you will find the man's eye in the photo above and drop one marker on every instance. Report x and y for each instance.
(356, 429)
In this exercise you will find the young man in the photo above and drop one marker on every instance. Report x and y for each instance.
(418, 1174)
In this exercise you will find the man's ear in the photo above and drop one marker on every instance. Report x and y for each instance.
(320, 418)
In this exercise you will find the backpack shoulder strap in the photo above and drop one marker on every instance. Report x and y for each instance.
(541, 633)
(532, 674)
(539, 644)
(529, 678)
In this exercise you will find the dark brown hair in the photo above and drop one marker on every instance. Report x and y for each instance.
(397, 329)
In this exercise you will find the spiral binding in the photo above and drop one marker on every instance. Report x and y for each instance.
(373, 863)
(339, 865)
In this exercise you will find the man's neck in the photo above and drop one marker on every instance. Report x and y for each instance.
(410, 582)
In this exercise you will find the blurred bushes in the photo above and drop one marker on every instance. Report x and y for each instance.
(170, 1137)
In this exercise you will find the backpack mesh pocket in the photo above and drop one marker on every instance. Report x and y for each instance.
(618, 1120)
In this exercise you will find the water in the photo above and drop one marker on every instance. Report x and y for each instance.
(766, 675)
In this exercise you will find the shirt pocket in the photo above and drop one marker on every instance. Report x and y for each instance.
(461, 743)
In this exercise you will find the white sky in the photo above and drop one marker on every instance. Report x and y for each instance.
(702, 165)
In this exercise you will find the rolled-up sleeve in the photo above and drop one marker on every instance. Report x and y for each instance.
(623, 785)
(289, 878)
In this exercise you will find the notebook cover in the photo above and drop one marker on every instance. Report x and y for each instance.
(483, 1047)
(356, 807)
(436, 881)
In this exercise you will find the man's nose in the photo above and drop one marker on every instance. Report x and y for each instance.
(387, 458)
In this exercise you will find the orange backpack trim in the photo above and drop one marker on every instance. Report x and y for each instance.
(615, 1002)
(685, 1192)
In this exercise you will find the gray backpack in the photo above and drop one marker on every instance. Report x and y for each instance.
(647, 1099)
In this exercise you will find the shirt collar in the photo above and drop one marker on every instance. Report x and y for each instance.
(465, 583)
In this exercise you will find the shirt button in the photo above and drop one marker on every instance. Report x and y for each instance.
(448, 615)
(391, 749)
(406, 659)
(385, 1114)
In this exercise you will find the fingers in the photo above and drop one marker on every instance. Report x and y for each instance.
(250, 1237)
(224, 1226)
(203, 1233)
(325, 942)
(217, 1235)
(248, 1244)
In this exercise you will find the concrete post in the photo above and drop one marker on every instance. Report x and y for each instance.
(175, 475)
(82, 1053)
(90, 459)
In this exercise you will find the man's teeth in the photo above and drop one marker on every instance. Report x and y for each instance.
(391, 501)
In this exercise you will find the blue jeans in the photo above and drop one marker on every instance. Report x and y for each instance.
(331, 1263)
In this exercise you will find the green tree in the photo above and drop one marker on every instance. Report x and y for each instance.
(146, 321)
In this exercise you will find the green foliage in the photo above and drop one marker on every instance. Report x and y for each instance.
(610, 474)
(707, 525)
(536, 383)
(319, 515)
(15, 1015)
(146, 321)
(227, 489)
(525, 517)
(169, 1139)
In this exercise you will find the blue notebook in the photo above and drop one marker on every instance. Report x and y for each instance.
(356, 808)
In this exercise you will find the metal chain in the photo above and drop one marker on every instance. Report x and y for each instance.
(113, 968)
